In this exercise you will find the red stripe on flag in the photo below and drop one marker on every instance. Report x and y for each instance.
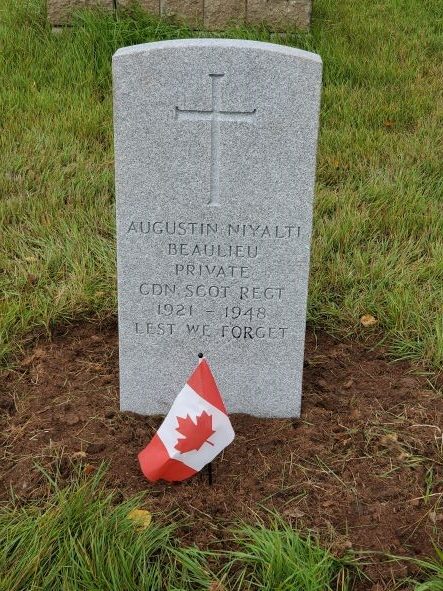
(202, 381)
(156, 463)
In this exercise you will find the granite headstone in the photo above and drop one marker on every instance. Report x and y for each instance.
(215, 146)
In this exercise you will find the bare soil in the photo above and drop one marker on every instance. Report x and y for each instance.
(363, 467)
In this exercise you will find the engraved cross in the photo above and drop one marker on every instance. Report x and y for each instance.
(215, 116)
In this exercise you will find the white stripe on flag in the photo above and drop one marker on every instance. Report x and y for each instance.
(188, 402)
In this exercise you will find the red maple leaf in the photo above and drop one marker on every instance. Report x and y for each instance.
(195, 434)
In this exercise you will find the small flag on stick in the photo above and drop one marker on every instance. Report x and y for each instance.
(194, 432)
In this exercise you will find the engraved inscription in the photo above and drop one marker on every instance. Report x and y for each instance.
(211, 288)
(215, 116)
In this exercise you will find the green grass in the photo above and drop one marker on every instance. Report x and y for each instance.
(435, 580)
(276, 558)
(378, 229)
(80, 539)
(433, 572)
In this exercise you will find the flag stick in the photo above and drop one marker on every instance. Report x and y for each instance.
(209, 466)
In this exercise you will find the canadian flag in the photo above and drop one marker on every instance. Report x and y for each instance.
(196, 429)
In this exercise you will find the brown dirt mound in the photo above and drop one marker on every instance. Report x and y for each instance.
(363, 466)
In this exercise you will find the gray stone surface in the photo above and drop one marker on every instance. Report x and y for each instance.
(215, 144)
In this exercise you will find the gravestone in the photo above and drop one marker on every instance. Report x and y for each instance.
(215, 144)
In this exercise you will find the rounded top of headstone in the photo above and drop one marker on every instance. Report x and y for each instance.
(218, 43)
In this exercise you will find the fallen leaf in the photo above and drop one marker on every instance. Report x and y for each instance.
(141, 518)
(79, 454)
(368, 320)
(195, 434)
(88, 469)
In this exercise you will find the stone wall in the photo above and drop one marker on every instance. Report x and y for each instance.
(211, 14)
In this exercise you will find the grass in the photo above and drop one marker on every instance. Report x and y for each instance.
(81, 539)
(431, 571)
(276, 558)
(378, 229)
(434, 573)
